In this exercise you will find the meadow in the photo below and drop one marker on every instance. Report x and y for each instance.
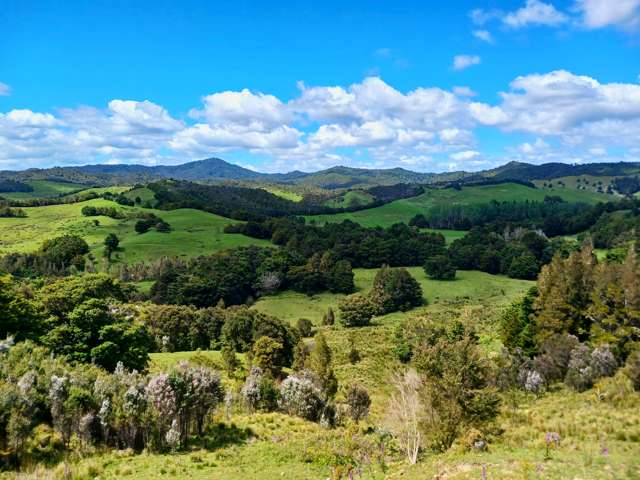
(43, 189)
(403, 210)
(193, 232)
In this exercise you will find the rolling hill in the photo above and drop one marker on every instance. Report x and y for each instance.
(340, 177)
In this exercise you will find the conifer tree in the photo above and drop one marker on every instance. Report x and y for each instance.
(320, 364)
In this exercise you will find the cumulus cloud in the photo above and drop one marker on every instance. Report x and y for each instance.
(563, 116)
(564, 104)
(460, 62)
(483, 35)
(465, 155)
(535, 12)
(603, 13)
(5, 90)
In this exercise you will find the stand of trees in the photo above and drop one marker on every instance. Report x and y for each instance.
(580, 324)
(57, 256)
(398, 245)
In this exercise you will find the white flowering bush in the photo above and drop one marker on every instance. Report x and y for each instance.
(299, 396)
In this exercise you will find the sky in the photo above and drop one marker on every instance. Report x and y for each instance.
(305, 85)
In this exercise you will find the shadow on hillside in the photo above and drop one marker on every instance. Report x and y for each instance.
(222, 435)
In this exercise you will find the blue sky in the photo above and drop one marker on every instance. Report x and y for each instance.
(278, 86)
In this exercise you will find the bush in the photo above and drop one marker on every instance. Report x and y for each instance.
(455, 393)
(299, 396)
(268, 356)
(395, 289)
(632, 369)
(587, 366)
(356, 310)
(358, 402)
(259, 391)
(440, 267)
(305, 327)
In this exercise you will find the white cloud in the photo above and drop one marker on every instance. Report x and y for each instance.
(563, 104)
(460, 62)
(480, 16)
(535, 12)
(603, 13)
(426, 127)
(464, 91)
(465, 155)
(255, 110)
(483, 35)
(5, 90)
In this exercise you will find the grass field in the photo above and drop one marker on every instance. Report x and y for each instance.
(351, 198)
(403, 210)
(286, 194)
(469, 287)
(43, 188)
(193, 232)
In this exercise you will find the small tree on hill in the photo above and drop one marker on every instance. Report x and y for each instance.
(440, 267)
(111, 243)
(356, 310)
(268, 356)
(320, 364)
(395, 289)
(142, 226)
(358, 402)
(329, 317)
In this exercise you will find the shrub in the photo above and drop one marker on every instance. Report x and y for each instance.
(586, 366)
(259, 391)
(356, 310)
(305, 327)
(358, 402)
(299, 396)
(440, 267)
(268, 356)
(329, 317)
(455, 393)
(395, 289)
(553, 361)
(632, 369)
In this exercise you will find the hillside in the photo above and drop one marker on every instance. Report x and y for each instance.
(403, 210)
(339, 177)
(193, 232)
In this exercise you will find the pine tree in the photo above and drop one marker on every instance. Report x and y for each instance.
(320, 364)
(300, 356)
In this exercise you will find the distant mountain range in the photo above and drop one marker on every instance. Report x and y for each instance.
(216, 169)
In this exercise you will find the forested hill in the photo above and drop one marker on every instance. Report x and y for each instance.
(215, 169)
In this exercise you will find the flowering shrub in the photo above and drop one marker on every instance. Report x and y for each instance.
(299, 396)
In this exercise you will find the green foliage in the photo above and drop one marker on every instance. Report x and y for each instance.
(455, 386)
(305, 327)
(230, 360)
(632, 369)
(356, 310)
(394, 289)
(65, 251)
(358, 402)
(515, 324)
(320, 363)
(440, 267)
(268, 356)
(18, 317)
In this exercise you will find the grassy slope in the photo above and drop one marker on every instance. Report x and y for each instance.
(481, 287)
(43, 188)
(403, 210)
(350, 198)
(193, 232)
(286, 194)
